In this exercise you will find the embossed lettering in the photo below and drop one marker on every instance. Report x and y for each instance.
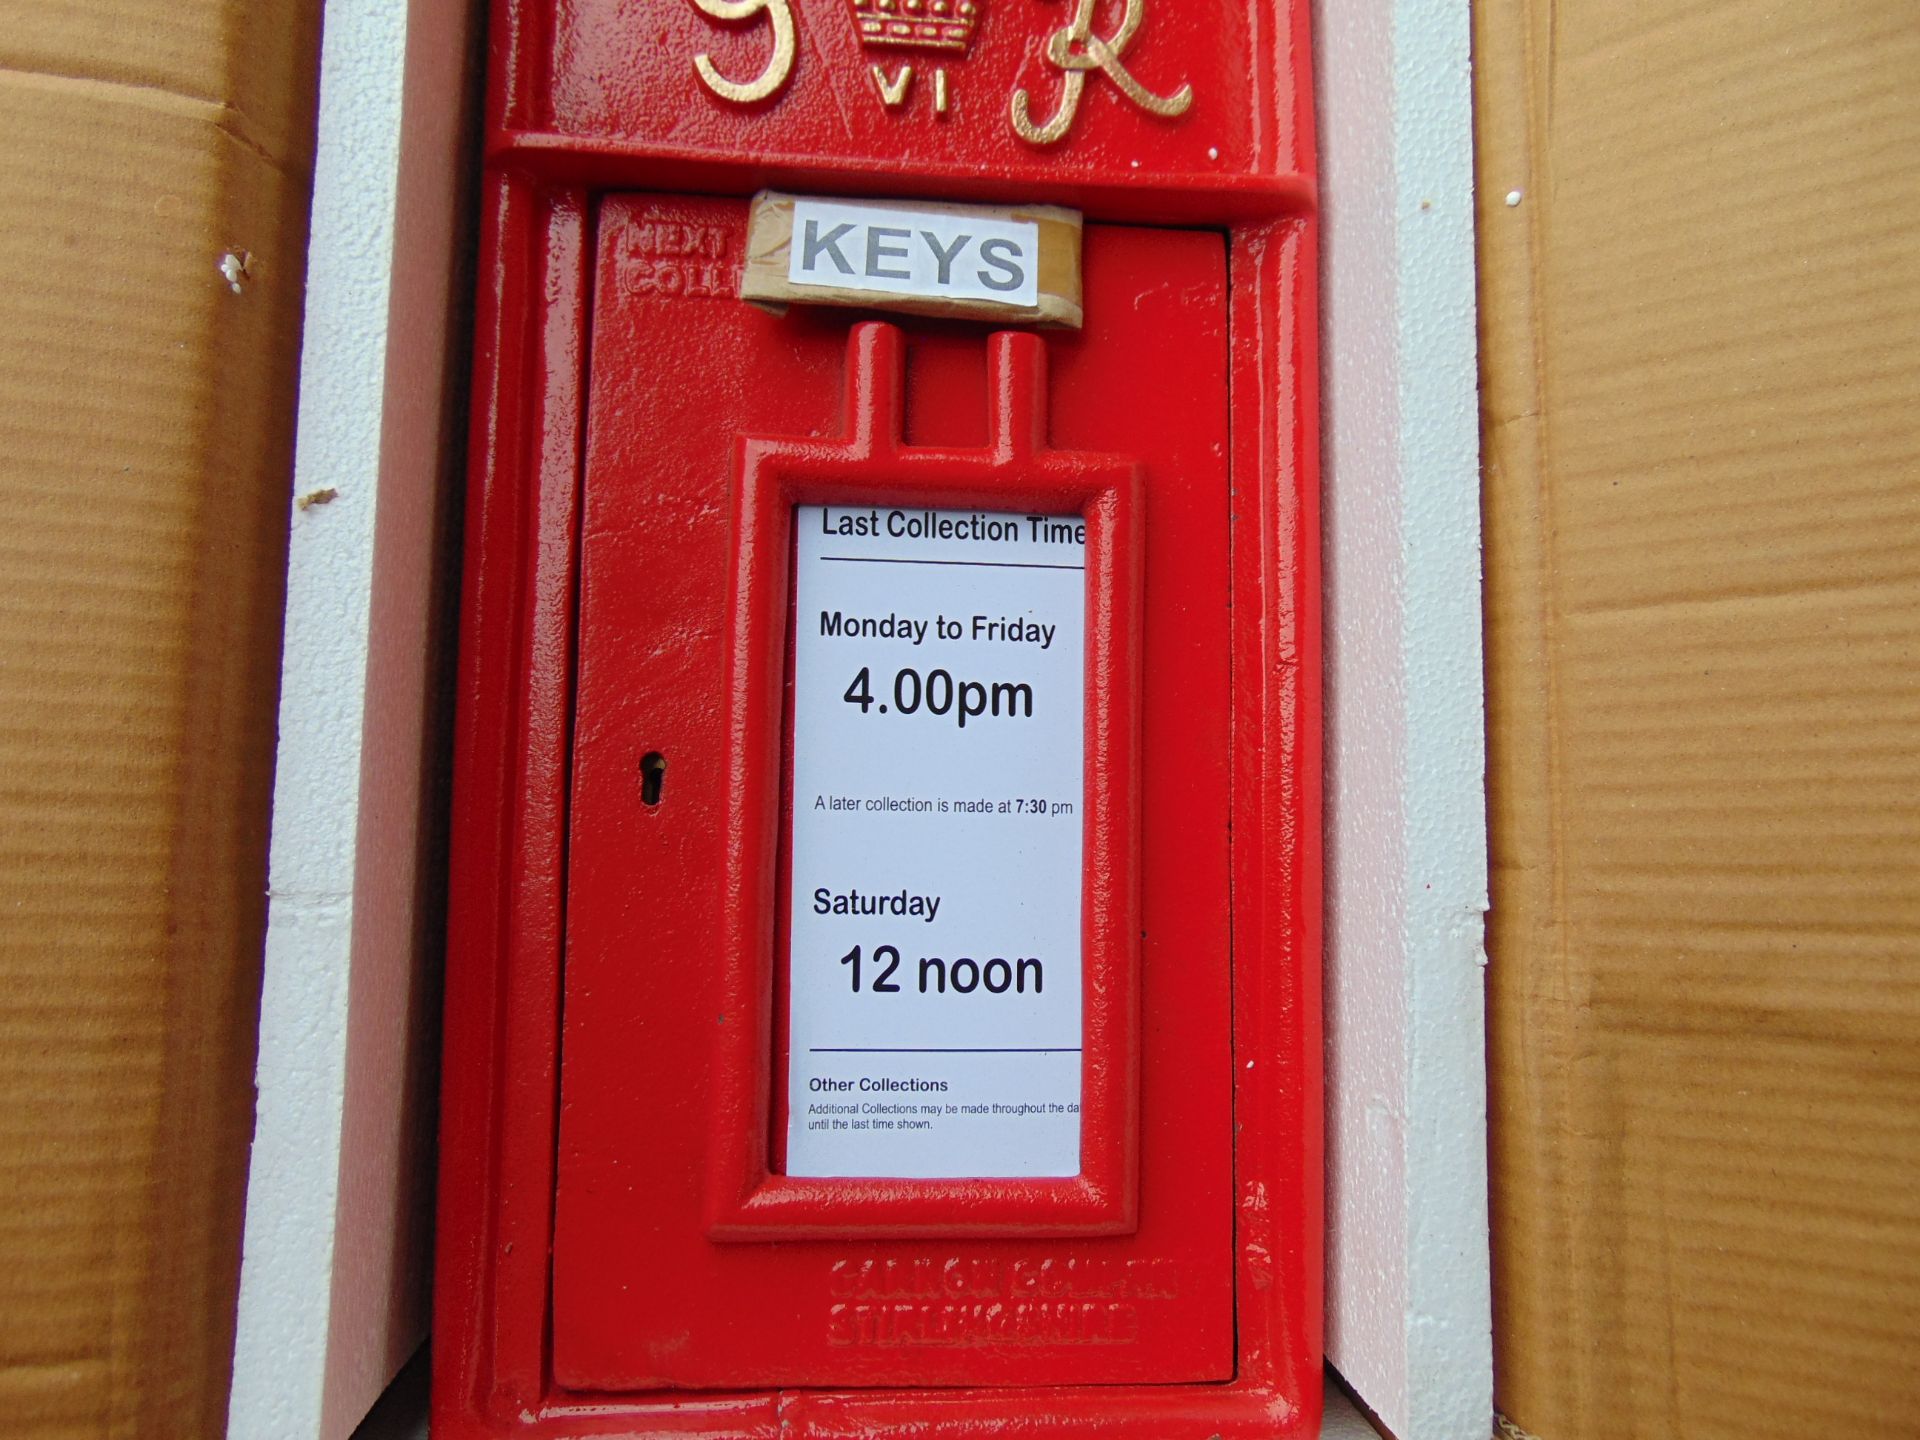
(779, 66)
(673, 259)
(961, 1302)
(893, 90)
(1077, 51)
(997, 1323)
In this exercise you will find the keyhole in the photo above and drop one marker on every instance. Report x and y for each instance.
(653, 775)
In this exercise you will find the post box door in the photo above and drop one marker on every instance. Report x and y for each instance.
(930, 1249)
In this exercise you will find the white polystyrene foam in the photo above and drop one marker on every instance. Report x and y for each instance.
(1408, 1306)
(333, 1288)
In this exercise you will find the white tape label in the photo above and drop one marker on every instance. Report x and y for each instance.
(927, 254)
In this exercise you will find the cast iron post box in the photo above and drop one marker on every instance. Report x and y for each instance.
(883, 988)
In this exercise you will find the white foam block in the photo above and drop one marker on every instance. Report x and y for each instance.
(1408, 1292)
(333, 1288)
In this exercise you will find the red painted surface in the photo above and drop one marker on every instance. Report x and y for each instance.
(605, 91)
(609, 1185)
(1017, 470)
(641, 1296)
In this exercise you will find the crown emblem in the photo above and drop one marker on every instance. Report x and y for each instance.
(917, 24)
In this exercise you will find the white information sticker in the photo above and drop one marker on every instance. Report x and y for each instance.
(938, 779)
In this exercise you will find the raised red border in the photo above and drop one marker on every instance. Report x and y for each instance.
(1015, 471)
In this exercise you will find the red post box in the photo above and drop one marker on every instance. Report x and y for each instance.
(883, 986)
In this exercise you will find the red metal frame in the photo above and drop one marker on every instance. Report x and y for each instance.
(493, 1371)
(643, 1300)
(1017, 472)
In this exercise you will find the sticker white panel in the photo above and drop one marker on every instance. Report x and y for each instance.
(938, 778)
